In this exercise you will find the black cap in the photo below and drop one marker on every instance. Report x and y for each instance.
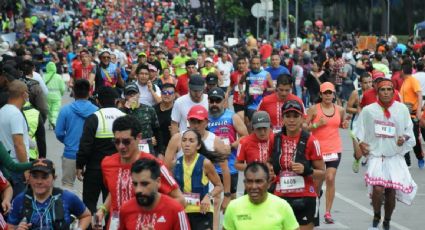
(131, 88)
(196, 82)
(211, 79)
(216, 92)
(43, 165)
(190, 62)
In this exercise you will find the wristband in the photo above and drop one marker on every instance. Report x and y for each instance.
(307, 171)
(227, 194)
(104, 209)
(314, 126)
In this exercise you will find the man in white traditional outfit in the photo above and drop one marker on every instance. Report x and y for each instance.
(385, 133)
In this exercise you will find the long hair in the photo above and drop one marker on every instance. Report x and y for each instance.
(210, 155)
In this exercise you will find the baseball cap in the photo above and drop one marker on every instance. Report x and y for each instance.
(292, 105)
(216, 92)
(152, 68)
(260, 119)
(327, 86)
(377, 74)
(104, 51)
(141, 54)
(131, 88)
(198, 112)
(43, 165)
(208, 59)
(211, 79)
(196, 82)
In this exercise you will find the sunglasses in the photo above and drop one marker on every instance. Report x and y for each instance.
(124, 141)
(292, 105)
(215, 100)
(167, 92)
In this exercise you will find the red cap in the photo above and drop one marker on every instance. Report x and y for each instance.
(377, 74)
(198, 112)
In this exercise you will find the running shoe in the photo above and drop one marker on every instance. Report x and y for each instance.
(356, 166)
(328, 218)
(421, 163)
(386, 225)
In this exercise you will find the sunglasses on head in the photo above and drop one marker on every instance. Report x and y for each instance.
(167, 92)
(124, 141)
(292, 105)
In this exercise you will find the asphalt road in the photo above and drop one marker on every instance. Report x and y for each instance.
(351, 209)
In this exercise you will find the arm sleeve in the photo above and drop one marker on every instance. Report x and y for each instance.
(290, 222)
(313, 149)
(40, 137)
(15, 213)
(168, 183)
(87, 141)
(240, 154)
(11, 165)
(175, 115)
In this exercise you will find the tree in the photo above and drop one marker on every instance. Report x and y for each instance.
(231, 10)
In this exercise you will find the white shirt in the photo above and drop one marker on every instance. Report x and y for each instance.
(385, 146)
(36, 76)
(420, 76)
(182, 106)
(13, 122)
(225, 68)
(145, 96)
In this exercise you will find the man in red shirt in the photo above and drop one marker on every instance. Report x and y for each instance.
(255, 147)
(116, 169)
(150, 209)
(182, 86)
(83, 69)
(272, 103)
(370, 96)
(235, 77)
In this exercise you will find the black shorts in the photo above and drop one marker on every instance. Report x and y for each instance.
(334, 164)
(249, 113)
(200, 221)
(304, 208)
(233, 182)
(238, 108)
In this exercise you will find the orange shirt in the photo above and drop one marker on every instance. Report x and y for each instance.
(328, 135)
(408, 92)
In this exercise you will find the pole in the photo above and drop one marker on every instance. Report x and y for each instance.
(267, 19)
(287, 22)
(296, 19)
(258, 23)
(388, 17)
(280, 20)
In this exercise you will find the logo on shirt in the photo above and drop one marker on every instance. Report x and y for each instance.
(161, 219)
(243, 217)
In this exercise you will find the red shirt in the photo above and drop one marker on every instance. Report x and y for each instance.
(234, 80)
(312, 152)
(117, 178)
(370, 97)
(266, 51)
(273, 106)
(251, 149)
(167, 215)
(397, 80)
(182, 86)
(3, 185)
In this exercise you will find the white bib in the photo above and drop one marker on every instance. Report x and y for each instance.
(144, 146)
(330, 157)
(385, 129)
(192, 198)
(291, 182)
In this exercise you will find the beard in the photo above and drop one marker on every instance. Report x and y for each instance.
(215, 111)
(145, 201)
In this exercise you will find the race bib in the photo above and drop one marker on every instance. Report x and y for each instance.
(144, 146)
(276, 129)
(291, 182)
(330, 157)
(192, 198)
(255, 90)
(115, 221)
(237, 88)
(384, 129)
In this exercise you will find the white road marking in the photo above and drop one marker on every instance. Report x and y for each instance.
(366, 210)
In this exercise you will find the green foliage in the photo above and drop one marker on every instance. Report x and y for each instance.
(231, 9)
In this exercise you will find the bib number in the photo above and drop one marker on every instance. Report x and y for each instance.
(255, 90)
(144, 146)
(192, 198)
(385, 129)
(330, 157)
(291, 182)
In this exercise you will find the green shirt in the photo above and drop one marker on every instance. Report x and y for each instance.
(7, 164)
(273, 213)
(179, 63)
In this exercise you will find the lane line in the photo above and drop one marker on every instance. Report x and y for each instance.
(366, 210)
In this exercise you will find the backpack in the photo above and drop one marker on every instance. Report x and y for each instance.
(299, 156)
(57, 211)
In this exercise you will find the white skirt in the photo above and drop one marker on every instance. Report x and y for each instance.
(391, 172)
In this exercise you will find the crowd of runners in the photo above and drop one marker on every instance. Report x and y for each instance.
(161, 125)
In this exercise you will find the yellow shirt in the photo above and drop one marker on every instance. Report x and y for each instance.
(187, 179)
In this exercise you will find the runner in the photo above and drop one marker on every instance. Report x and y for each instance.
(235, 77)
(385, 132)
(324, 119)
(297, 164)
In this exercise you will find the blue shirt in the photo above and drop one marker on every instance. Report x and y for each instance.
(275, 72)
(41, 215)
